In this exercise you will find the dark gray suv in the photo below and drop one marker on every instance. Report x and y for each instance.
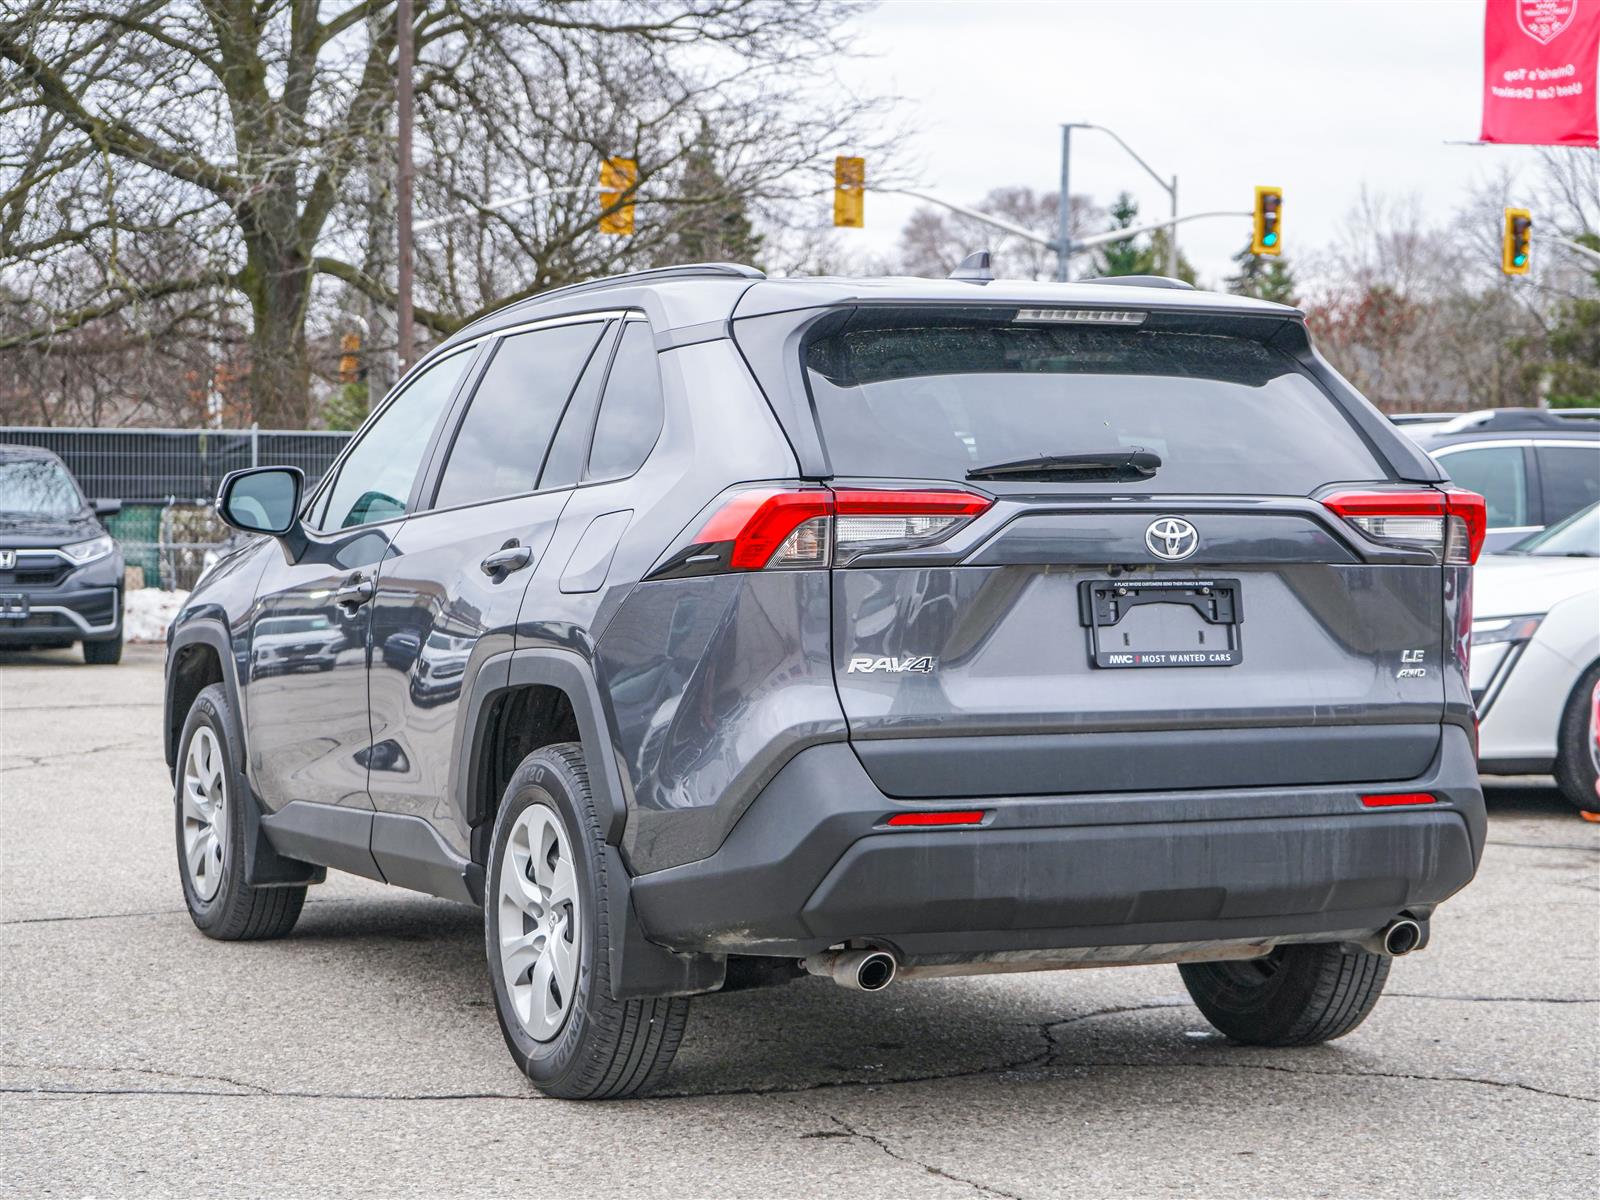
(708, 630)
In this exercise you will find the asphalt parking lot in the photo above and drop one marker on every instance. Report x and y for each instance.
(361, 1055)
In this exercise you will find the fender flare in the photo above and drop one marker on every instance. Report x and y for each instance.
(209, 628)
(548, 667)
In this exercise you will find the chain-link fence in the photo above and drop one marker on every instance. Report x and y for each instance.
(167, 480)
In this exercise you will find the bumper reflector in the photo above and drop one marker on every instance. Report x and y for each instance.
(1396, 798)
(964, 817)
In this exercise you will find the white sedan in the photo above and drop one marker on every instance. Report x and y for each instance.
(1536, 655)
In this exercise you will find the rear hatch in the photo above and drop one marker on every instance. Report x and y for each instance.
(1193, 570)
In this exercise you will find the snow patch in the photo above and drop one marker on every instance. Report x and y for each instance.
(148, 612)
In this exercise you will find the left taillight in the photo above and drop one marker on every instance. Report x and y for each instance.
(1450, 523)
(777, 528)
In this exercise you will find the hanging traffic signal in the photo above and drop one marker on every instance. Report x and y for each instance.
(1266, 237)
(350, 358)
(618, 178)
(849, 191)
(1516, 242)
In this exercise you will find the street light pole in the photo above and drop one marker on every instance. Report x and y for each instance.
(1064, 210)
(405, 316)
(1169, 186)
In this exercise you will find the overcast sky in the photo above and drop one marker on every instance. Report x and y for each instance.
(1315, 96)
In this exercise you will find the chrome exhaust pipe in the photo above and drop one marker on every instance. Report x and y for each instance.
(1402, 937)
(857, 970)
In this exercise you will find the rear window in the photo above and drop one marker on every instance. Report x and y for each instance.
(909, 395)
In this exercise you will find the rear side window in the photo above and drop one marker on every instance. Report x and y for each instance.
(1569, 477)
(502, 440)
(631, 410)
(1497, 473)
(914, 395)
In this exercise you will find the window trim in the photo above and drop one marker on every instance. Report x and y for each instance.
(461, 404)
(322, 494)
(594, 419)
(1532, 496)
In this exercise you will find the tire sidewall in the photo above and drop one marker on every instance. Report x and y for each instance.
(547, 780)
(1575, 770)
(210, 709)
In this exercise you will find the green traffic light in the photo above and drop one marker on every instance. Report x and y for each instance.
(1520, 260)
(1269, 239)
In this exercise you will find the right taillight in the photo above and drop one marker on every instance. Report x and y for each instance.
(1449, 523)
(773, 528)
(1467, 525)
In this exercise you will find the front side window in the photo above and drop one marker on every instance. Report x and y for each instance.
(1498, 474)
(631, 411)
(375, 478)
(502, 440)
(929, 395)
(37, 487)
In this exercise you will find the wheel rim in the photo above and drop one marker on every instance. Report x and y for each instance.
(540, 920)
(205, 813)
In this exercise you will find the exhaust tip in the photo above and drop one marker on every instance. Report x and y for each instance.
(1402, 937)
(875, 971)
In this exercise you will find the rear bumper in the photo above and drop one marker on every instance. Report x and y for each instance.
(811, 864)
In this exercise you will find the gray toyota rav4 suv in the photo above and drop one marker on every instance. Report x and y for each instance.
(708, 630)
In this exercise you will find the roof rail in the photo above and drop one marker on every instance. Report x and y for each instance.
(1513, 419)
(1149, 281)
(680, 271)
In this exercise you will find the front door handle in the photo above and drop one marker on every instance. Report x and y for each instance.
(510, 557)
(353, 594)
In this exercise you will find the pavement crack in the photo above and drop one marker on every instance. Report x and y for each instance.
(125, 916)
(1582, 849)
(1493, 999)
(1283, 1069)
(982, 1189)
(247, 1088)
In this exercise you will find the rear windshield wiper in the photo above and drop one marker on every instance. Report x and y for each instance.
(1094, 465)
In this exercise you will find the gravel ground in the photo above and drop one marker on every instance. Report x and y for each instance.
(361, 1055)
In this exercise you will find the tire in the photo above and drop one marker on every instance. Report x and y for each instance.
(577, 1043)
(1575, 773)
(104, 653)
(220, 902)
(1298, 995)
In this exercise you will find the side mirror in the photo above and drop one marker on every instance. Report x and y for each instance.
(106, 508)
(262, 500)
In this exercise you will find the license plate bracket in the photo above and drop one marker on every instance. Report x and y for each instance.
(13, 606)
(1147, 623)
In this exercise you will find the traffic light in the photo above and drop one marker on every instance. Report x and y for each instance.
(849, 191)
(1516, 242)
(350, 358)
(1266, 237)
(618, 178)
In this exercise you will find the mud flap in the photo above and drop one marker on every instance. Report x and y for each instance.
(639, 967)
(264, 867)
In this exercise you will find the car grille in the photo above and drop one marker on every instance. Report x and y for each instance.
(35, 570)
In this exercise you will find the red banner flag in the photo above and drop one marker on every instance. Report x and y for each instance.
(1539, 63)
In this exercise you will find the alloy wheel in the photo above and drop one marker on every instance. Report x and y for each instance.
(539, 922)
(205, 813)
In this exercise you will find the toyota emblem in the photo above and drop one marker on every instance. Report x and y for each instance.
(1171, 538)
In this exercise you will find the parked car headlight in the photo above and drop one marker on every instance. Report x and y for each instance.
(1490, 631)
(82, 552)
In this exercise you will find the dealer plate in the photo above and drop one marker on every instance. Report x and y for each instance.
(1162, 622)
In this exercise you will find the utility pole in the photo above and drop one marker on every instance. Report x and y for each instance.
(1064, 210)
(403, 105)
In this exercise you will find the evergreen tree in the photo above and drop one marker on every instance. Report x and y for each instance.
(1263, 277)
(1122, 257)
(346, 408)
(1154, 259)
(715, 223)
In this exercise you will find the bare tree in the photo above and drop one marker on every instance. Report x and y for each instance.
(934, 240)
(190, 169)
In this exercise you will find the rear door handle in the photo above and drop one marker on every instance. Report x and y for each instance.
(353, 594)
(507, 559)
